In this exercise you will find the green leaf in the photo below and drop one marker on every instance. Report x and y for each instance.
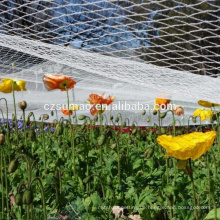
(211, 215)
(97, 202)
(137, 164)
(87, 203)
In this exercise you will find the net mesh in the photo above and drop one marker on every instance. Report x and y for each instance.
(133, 49)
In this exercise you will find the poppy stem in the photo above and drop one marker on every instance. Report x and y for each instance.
(16, 122)
(193, 188)
(209, 187)
(68, 103)
(2, 184)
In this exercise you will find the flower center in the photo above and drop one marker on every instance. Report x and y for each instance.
(64, 84)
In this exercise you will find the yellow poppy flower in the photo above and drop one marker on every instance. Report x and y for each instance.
(6, 86)
(75, 107)
(203, 113)
(187, 146)
(207, 104)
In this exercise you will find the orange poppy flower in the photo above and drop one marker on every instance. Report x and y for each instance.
(65, 111)
(160, 102)
(95, 99)
(100, 99)
(58, 81)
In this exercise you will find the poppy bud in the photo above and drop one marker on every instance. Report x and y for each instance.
(88, 179)
(45, 116)
(39, 118)
(134, 131)
(117, 119)
(194, 119)
(81, 117)
(111, 117)
(143, 112)
(154, 112)
(101, 140)
(170, 162)
(27, 120)
(95, 118)
(214, 117)
(30, 114)
(13, 117)
(18, 199)
(52, 113)
(149, 152)
(163, 115)
(163, 131)
(148, 119)
(124, 124)
(13, 166)
(2, 139)
(59, 129)
(113, 146)
(22, 105)
(140, 173)
(27, 197)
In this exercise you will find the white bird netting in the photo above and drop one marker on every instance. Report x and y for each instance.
(132, 49)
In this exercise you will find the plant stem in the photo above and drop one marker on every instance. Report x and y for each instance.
(68, 103)
(16, 122)
(193, 189)
(209, 187)
(6, 184)
(2, 186)
(42, 195)
(24, 126)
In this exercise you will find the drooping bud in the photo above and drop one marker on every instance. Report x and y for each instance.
(148, 119)
(111, 117)
(214, 117)
(154, 112)
(117, 119)
(18, 199)
(13, 117)
(52, 113)
(81, 117)
(30, 114)
(27, 120)
(113, 146)
(13, 166)
(124, 124)
(22, 105)
(2, 139)
(134, 131)
(140, 173)
(45, 116)
(101, 140)
(27, 197)
(194, 119)
(163, 114)
(149, 152)
(59, 129)
(143, 112)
